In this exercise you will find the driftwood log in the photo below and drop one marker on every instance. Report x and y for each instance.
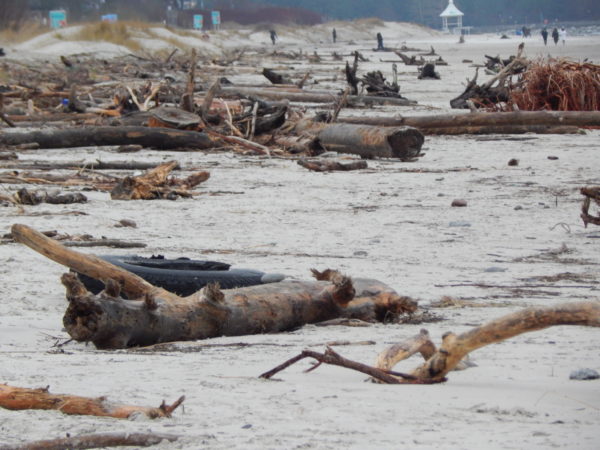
(439, 362)
(331, 166)
(158, 138)
(16, 398)
(96, 440)
(372, 142)
(591, 193)
(309, 97)
(156, 184)
(157, 315)
(481, 119)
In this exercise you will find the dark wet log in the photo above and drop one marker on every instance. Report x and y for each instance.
(547, 118)
(410, 61)
(157, 315)
(378, 86)
(17, 399)
(87, 165)
(96, 440)
(274, 77)
(351, 77)
(372, 142)
(157, 138)
(331, 166)
(428, 72)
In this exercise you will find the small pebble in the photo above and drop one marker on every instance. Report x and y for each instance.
(247, 426)
(518, 207)
(360, 253)
(495, 269)
(459, 202)
(513, 162)
(584, 374)
(553, 158)
(459, 223)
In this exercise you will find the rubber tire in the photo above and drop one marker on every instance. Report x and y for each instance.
(182, 276)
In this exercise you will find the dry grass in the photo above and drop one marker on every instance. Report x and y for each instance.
(116, 33)
(26, 32)
(558, 85)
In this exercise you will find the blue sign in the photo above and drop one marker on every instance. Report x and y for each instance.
(216, 17)
(58, 19)
(111, 18)
(198, 21)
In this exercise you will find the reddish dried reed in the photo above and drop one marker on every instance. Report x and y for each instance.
(558, 85)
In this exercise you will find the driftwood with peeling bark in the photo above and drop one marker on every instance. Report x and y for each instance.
(16, 398)
(439, 362)
(154, 315)
(156, 184)
(96, 440)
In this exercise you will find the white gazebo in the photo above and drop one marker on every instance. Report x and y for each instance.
(451, 17)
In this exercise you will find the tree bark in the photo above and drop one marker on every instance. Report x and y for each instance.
(159, 138)
(23, 398)
(502, 129)
(157, 316)
(97, 440)
(372, 142)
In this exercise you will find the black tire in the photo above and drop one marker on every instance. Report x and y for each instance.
(182, 276)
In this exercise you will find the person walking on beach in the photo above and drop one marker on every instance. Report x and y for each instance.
(379, 41)
(545, 35)
(334, 35)
(563, 34)
(555, 36)
(273, 34)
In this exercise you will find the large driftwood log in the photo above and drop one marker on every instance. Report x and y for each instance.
(96, 440)
(372, 142)
(520, 118)
(309, 97)
(157, 316)
(454, 347)
(16, 398)
(159, 138)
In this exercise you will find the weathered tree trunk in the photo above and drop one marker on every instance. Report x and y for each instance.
(160, 316)
(96, 440)
(22, 398)
(159, 138)
(331, 166)
(372, 142)
(547, 118)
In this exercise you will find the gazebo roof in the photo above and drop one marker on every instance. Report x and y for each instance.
(451, 10)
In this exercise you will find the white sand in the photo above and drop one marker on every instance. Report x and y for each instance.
(383, 223)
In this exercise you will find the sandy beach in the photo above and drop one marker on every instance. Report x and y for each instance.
(518, 243)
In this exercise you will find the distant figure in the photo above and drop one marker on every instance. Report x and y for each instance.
(563, 34)
(526, 31)
(379, 41)
(2, 52)
(273, 34)
(545, 35)
(334, 35)
(555, 36)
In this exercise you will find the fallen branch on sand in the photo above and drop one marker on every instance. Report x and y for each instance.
(439, 362)
(16, 398)
(152, 315)
(590, 193)
(96, 440)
